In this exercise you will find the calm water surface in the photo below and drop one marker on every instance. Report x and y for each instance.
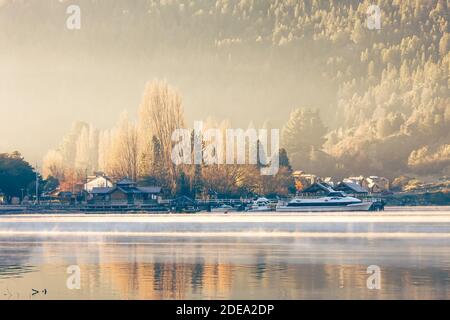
(272, 256)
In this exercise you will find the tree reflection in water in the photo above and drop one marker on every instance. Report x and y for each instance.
(227, 268)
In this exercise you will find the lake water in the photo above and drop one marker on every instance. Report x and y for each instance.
(227, 256)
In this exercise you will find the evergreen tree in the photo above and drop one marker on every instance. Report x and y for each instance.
(303, 132)
(15, 175)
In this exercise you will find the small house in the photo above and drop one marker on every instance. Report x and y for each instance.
(376, 184)
(183, 202)
(99, 180)
(304, 180)
(58, 196)
(356, 180)
(351, 188)
(329, 181)
(318, 189)
(125, 192)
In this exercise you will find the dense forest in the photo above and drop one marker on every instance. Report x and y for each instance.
(369, 101)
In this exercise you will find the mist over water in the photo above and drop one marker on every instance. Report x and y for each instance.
(418, 223)
(235, 256)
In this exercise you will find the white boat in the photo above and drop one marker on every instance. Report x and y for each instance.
(224, 208)
(334, 201)
(260, 205)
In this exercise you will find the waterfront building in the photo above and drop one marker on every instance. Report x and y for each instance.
(352, 189)
(359, 180)
(125, 192)
(317, 189)
(329, 181)
(98, 180)
(58, 196)
(372, 184)
(303, 180)
(376, 184)
(183, 202)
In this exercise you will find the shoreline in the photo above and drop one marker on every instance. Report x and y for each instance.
(25, 210)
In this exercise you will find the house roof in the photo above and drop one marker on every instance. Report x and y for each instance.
(327, 185)
(125, 181)
(353, 187)
(127, 190)
(63, 194)
(150, 189)
(54, 192)
(101, 190)
(316, 187)
(183, 200)
(93, 178)
(135, 190)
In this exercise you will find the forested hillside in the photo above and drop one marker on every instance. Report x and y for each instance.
(382, 96)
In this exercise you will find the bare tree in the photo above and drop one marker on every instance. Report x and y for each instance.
(124, 154)
(160, 114)
(53, 165)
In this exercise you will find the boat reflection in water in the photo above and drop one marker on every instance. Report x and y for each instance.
(283, 257)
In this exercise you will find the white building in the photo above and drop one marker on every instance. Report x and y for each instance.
(100, 180)
(376, 184)
(358, 180)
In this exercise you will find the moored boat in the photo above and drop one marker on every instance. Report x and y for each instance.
(260, 205)
(224, 208)
(334, 201)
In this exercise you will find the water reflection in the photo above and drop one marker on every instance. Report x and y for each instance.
(14, 271)
(228, 268)
(13, 261)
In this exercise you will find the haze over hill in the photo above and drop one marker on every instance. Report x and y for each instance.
(383, 95)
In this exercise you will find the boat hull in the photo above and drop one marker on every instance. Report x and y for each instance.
(364, 206)
(220, 210)
(262, 210)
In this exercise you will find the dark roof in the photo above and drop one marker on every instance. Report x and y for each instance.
(325, 184)
(127, 189)
(101, 190)
(138, 190)
(316, 187)
(183, 200)
(350, 187)
(125, 181)
(150, 189)
(90, 179)
(54, 192)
